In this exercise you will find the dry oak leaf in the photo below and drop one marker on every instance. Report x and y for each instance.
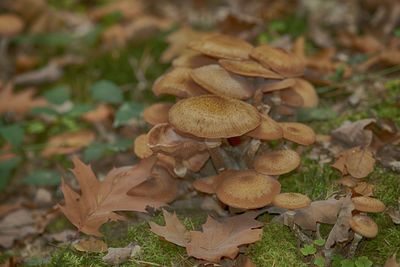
(221, 239)
(18, 102)
(392, 262)
(173, 231)
(98, 201)
(358, 162)
(353, 134)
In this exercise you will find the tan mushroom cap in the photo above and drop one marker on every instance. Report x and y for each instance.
(307, 92)
(270, 86)
(161, 186)
(268, 129)
(218, 81)
(290, 98)
(368, 204)
(178, 83)
(291, 201)
(212, 116)
(100, 114)
(247, 190)
(210, 184)
(298, 133)
(10, 25)
(277, 162)
(249, 68)
(141, 147)
(347, 181)
(193, 59)
(157, 113)
(364, 225)
(286, 64)
(222, 46)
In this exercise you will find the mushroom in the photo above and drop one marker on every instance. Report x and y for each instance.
(298, 133)
(301, 89)
(368, 204)
(362, 225)
(10, 25)
(218, 81)
(210, 184)
(247, 190)
(157, 113)
(249, 68)
(291, 202)
(222, 46)
(267, 130)
(193, 59)
(141, 147)
(277, 162)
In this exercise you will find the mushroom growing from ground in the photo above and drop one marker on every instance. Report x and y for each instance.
(291, 202)
(362, 225)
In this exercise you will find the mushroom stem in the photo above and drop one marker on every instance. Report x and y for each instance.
(354, 244)
(300, 235)
(179, 169)
(328, 253)
(217, 158)
(288, 218)
(251, 151)
(318, 232)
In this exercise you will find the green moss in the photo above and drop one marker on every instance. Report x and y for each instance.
(276, 248)
(387, 185)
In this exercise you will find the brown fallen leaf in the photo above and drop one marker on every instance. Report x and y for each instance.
(358, 162)
(221, 239)
(353, 134)
(98, 201)
(116, 256)
(90, 245)
(392, 262)
(394, 215)
(173, 231)
(67, 143)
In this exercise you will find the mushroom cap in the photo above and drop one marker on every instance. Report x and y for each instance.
(193, 59)
(222, 46)
(347, 181)
(100, 114)
(368, 204)
(161, 186)
(141, 147)
(270, 86)
(210, 184)
(10, 25)
(298, 133)
(247, 190)
(218, 81)
(249, 68)
(307, 92)
(291, 201)
(364, 225)
(290, 98)
(277, 162)
(286, 64)
(212, 116)
(177, 82)
(157, 113)
(267, 130)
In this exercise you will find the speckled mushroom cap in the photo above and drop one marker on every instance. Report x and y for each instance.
(368, 204)
(298, 133)
(219, 81)
(193, 59)
(277, 162)
(210, 184)
(364, 225)
(212, 116)
(284, 63)
(247, 190)
(249, 68)
(141, 146)
(161, 186)
(157, 113)
(10, 25)
(177, 82)
(268, 129)
(222, 46)
(291, 201)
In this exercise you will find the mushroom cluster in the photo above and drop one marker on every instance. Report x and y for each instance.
(218, 133)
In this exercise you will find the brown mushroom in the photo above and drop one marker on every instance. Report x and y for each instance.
(368, 204)
(291, 202)
(247, 190)
(193, 59)
(141, 147)
(10, 25)
(267, 130)
(156, 113)
(249, 68)
(210, 184)
(298, 133)
(277, 162)
(362, 225)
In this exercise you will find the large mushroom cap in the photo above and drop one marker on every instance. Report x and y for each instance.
(298, 133)
(289, 65)
(267, 130)
(212, 116)
(249, 68)
(157, 113)
(277, 162)
(218, 81)
(368, 204)
(364, 225)
(222, 46)
(291, 201)
(10, 25)
(247, 190)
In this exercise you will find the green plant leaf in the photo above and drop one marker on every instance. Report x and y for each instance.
(121, 145)
(319, 261)
(315, 114)
(106, 91)
(35, 127)
(127, 112)
(347, 263)
(363, 262)
(94, 151)
(43, 177)
(58, 95)
(319, 242)
(13, 134)
(308, 250)
(78, 109)
(6, 167)
(44, 111)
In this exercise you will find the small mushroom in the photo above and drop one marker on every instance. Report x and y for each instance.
(368, 204)
(267, 130)
(277, 162)
(298, 133)
(157, 113)
(141, 147)
(247, 190)
(10, 25)
(193, 59)
(248, 68)
(210, 184)
(362, 225)
(291, 202)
